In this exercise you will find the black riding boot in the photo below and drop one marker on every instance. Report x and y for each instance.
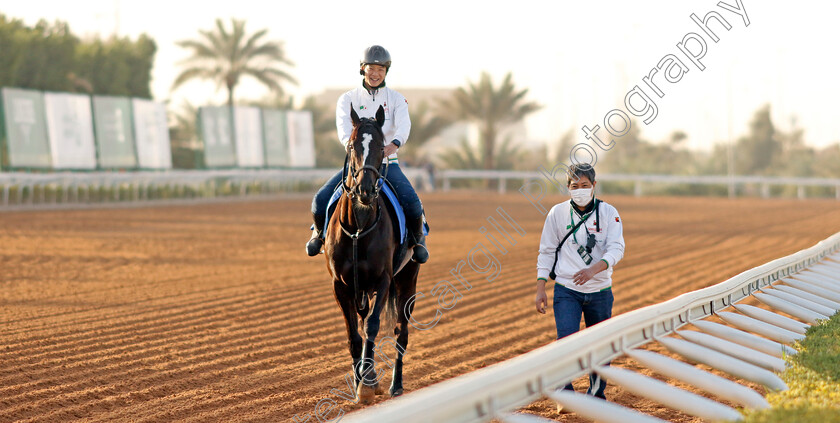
(421, 253)
(313, 246)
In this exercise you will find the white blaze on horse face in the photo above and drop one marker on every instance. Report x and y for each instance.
(366, 139)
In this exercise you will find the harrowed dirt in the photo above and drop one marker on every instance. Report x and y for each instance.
(214, 313)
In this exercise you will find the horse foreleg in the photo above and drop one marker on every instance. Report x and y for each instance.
(406, 286)
(344, 297)
(370, 378)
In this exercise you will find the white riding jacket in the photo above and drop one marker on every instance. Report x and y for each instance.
(397, 123)
(609, 245)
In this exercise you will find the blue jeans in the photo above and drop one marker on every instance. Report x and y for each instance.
(405, 193)
(568, 307)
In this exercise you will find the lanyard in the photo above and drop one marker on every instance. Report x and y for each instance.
(572, 219)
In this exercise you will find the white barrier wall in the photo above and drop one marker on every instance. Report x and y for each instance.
(25, 128)
(249, 137)
(301, 138)
(70, 128)
(276, 137)
(151, 134)
(113, 130)
(215, 131)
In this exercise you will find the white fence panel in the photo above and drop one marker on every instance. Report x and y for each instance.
(249, 136)
(151, 134)
(70, 128)
(301, 138)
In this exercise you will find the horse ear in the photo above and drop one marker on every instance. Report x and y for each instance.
(353, 116)
(380, 116)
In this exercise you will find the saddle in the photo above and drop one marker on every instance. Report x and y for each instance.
(395, 211)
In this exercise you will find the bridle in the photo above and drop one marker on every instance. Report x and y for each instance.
(351, 193)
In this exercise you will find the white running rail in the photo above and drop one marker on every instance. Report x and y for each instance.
(47, 190)
(805, 285)
(640, 181)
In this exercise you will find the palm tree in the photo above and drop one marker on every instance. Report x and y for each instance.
(184, 129)
(226, 56)
(491, 108)
(183, 133)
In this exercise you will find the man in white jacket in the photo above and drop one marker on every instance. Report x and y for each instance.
(584, 264)
(366, 100)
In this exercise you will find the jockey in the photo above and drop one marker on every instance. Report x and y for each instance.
(366, 99)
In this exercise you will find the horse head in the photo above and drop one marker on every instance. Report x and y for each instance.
(365, 152)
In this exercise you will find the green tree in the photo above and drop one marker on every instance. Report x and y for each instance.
(183, 133)
(715, 163)
(183, 130)
(40, 57)
(755, 152)
(634, 155)
(225, 57)
(49, 57)
(827, 162)
(491, 108)
(116, 66)
(793, 157)
(677, 137)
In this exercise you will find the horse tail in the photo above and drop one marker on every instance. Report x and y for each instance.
(389, 313)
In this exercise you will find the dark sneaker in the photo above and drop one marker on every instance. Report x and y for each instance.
(421, 254)
(313, 247)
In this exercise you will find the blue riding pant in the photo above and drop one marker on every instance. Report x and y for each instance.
(405, 193)
(595, 307)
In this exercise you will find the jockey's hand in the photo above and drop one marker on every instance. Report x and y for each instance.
(390, 149)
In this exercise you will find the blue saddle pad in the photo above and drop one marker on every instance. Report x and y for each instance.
(391, 202)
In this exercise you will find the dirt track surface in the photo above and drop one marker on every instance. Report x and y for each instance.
(214, 313)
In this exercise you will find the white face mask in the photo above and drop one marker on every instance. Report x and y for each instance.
(581, 196)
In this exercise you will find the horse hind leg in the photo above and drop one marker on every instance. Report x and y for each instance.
(401, 332)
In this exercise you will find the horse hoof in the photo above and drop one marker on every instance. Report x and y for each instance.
(365, 393)
(396, 392)
(377, 389)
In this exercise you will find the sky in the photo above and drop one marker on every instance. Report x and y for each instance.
(578, 59)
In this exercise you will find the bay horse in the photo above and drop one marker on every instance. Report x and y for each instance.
(360, 247)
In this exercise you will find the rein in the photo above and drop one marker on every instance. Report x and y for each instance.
(359, 233)
(355, 237)
(353, 172)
